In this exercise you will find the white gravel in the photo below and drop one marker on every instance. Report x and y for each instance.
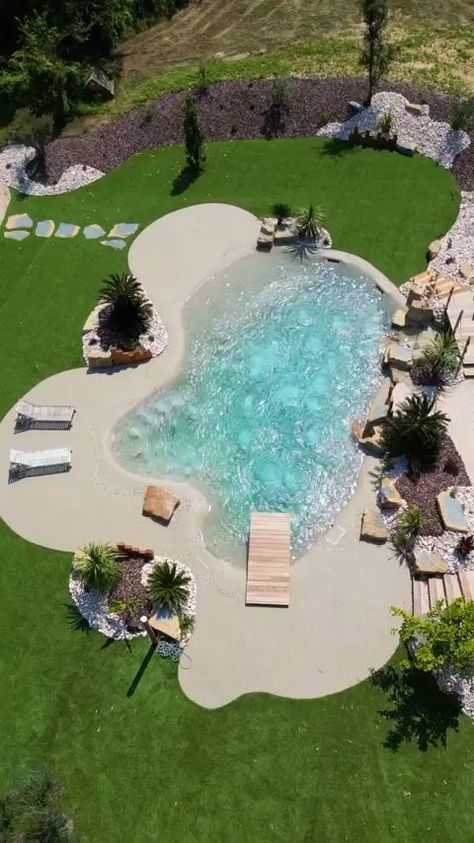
(15, 157)
(429, 137)
(462, 686)
(447, 542)
(458, 243)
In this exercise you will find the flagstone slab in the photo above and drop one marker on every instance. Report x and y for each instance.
(19, 221)
(44, 228)
(93, 232)
(123, 229)
(452, 513)
(116, 244)
(67, 229)
(16, 235)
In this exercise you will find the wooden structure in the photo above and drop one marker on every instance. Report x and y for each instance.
(268, 565)
(100, 84)
(426, 592)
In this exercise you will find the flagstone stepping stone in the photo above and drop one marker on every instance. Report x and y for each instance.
(399, 356)
(452, 513)
(428, 562)
(16, 235)
(116, 244)
(389, 496)
(123, 229)
(373, 528)
(19, 221)
(44, 228)
(67, 229)
(93, 232)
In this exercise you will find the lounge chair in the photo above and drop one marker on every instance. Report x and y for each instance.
(54, 416)
(24, 463)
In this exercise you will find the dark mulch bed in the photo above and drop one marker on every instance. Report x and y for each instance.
(235, 110)
(423, 374)
(130, 590)
(422, 490)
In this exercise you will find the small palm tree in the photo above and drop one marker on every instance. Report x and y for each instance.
(98, 568)
(167, 586)
(281, 210)
(443, 353)
(416, 432)
(131, 310)
(407, 529)
(309, 220)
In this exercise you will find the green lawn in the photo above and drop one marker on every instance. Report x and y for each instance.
(138, 760)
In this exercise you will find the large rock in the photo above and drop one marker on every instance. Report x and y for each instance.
(399, 376)
(419, 314)
(264, 242)
(428, 562)
(373, 444)
(400, 393)
(415, 109)
(389, 496)
(399, 318)
(378, 411)
(373, 528)
(399, 356)
(452, 513)
(97, 358)
(433, 250)
(129, 358)
(159, 503)
(466, 270)
(357, 430)
(284, 236)
(268, 226)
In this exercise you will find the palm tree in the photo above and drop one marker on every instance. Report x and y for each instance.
(416, 432)
(309, 220)
(131, 311)
(167, 586)
(98, 568)
(443, 353)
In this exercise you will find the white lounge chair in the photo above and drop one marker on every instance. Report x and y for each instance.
(23, 463)
(54, 416)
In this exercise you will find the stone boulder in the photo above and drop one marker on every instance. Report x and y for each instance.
(399, 376)
(451, 513)
(373, 528)
(400, 393)
(159, 503)
(389, 496)
(428, 562)
(356, 430)
(97, 358)
(264, 242)
(399, 356)
(466, 270)
(130, 358)
(418, 314)
(433, 250)
(373, 444)
(285, 235)
(399, 318)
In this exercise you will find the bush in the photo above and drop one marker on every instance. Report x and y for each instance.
(279, 95)
(385, 123)
(98, 569)
(444, 639)
(131, 310)
(30, 129)
(32, 814)
(280, 210)
(167, 587)
(308, 222)
(407, 529)
(202, 80)
(462, 114)
(416, 432)
(443, 354)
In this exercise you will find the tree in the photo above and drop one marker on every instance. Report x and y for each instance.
(98, 568)
(167, 586)
(416, 432)
(376, 54)
(442, 639)
(193, 136)
(131, 310)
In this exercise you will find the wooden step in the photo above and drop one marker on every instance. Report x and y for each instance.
(452, 589)
(421, 599)
(469, 372)
(465, 583)
(435, 590)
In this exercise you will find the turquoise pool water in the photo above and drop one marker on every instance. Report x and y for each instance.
(281, 356)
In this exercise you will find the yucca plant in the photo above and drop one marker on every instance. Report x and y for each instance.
(416, 431)
(131, 311)
(281, 210)
(309, 220)
(407, 529)
(167, 586)
(98, 568)
(443, 353)
(385, 123)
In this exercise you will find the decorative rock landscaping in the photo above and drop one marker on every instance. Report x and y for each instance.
(99, 347)
(18, 221)
(67, 229)
(44, 228)
(373, 528)
(13, 163)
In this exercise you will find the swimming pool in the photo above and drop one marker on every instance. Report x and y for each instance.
(281, 355)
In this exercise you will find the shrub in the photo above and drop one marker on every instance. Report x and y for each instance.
(416, 432)
(280, 210)
(131, 311)
(465, 546)
(385, 123)
(98, 569)
(167, 586)
(193, 136)
(308, 222)
(443, 353)
(33, 812)
(445, 638)
(30, 129)
(202, 80)
(462, 114)
(407, 529)
(279, 95)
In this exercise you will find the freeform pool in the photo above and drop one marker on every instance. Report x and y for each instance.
(281, 356)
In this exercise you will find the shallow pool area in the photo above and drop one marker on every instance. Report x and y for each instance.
(281, 355)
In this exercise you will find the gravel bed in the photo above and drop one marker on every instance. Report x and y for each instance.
(457, 243)
(13, 172)
(235, 110)
(461, 686)
(447, 542)
(422, 491)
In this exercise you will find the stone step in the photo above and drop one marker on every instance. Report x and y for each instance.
(468, 371)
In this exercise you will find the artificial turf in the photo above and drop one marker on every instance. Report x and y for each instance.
(138, 760)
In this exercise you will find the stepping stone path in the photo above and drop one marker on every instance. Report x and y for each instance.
(16, 235)
(19, 221)
(452, 513)
(67, 229)
(428, 562)
(116, 244)
(123, 229)
(44, 228)
(93, 232)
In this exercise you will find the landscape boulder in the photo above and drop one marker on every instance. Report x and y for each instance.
(373, 528)
(428, 562)
(399, 318)
(433, 250)
(419, 314)
(97, 358)
(159, 503)
(399, 356)
(451, 513)
(130, 358)
(373, 444)
(389, 496)
(466, 270)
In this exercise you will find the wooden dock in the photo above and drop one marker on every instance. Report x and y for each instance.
(268, 565)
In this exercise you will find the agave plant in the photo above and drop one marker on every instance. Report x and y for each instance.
(98, 568)
(385, 123)
(443, 353)
(131, 311)
(416, 431)
(167, 586)
(308, 222)
(407, 529)
(281, 210)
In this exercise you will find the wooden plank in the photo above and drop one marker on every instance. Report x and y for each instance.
(416, 588)
(451, 587)
(435, 589)
(424, 598)
(268, 564)
(465, 584)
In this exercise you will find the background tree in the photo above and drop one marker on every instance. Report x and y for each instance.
(377, 53)
(193, 136)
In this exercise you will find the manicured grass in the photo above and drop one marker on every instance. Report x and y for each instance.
(379, 205)
(138, 760)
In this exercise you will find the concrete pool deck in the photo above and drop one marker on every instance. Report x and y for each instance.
(338, 626)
